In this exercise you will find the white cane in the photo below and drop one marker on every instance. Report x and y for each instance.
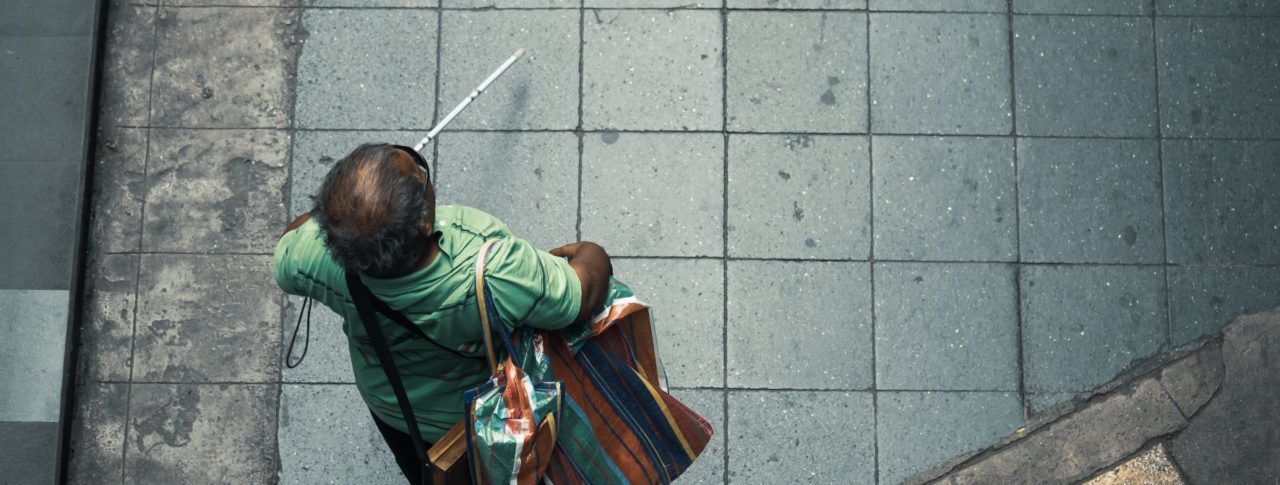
(463, 105)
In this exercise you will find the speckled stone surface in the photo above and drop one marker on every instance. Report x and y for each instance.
(798, 196)
(652, 70)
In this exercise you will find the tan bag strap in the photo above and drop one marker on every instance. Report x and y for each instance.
(480, 302)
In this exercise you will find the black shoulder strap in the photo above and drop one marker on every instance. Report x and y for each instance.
(363, 300)
(404, 322)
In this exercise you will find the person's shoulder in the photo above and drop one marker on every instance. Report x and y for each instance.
(307, 234)
(471, 220)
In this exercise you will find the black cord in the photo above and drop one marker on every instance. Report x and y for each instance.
(306, 307)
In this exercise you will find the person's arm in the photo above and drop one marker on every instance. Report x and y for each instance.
(592, 265)
(302, 219)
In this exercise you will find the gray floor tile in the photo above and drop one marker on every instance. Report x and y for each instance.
(106, 331)
(1217, 7)
(204, 57)
(652, 69)
(687, 306)
(36, 245)
(118, 190)
(44, 97)
(1220, 201)
(646, 4)
(799, 196)
(1040, 402)
(29, 452)
(326, 435)
(314, 153)
(125, 94)
(520, 4)
(328, 357)
(1203, 300)
(194, 311)
(802, 4)
(945, 199)
(342, 79)
(215, 191)
(990, 6)
(940, 73)
(1217, 77)
(791, 322)
(946, 326)
(1084, 7)
(35, 329)
(46, 18)
(786, 437)
(1085, 76)
(235, 3)
(798, 72)
(375, 3)
(1095, 201)
(709, 467)
(528, 180)
(1082, 325)
(539, 92)
(96, 450)
(920, 430)
(186, 433)
(654, 194)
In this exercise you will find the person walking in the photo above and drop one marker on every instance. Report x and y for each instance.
(376, 215)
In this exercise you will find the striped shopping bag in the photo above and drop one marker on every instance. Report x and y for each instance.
(615, 423)
(618, 425)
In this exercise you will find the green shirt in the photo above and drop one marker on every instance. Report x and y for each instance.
(529, 288)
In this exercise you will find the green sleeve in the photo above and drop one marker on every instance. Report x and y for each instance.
(284, 264)
(531, 287)
(300, 251)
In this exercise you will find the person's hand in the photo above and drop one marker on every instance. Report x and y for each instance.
(566, 251)
(594, 268)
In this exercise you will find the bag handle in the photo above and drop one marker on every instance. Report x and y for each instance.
(362, 297)
(482, 297)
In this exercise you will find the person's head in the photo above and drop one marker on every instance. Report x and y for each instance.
(376, 209)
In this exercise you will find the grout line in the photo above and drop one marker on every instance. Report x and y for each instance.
(435, 110)
(289, 211)
(1164, 211)
(724, 231)
(582, 53)
(711, 132)
(843, 390)
(690, 8)
(1017, 221)
(215, 383)
(142, 222)
(871, 256)
(948, 261)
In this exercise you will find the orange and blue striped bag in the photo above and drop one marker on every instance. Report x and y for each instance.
(615, 423)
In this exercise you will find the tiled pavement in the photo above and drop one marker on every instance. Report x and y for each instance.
(874, 240)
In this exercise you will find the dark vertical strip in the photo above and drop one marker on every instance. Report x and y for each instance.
(1164, 210)
(76, 297)
(871, 257)
(295, 40)
(435, 109)
(582, 48)
(142, 234)
(725, 232)
(1017, 222)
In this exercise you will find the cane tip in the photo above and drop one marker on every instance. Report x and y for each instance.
(519, 53)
